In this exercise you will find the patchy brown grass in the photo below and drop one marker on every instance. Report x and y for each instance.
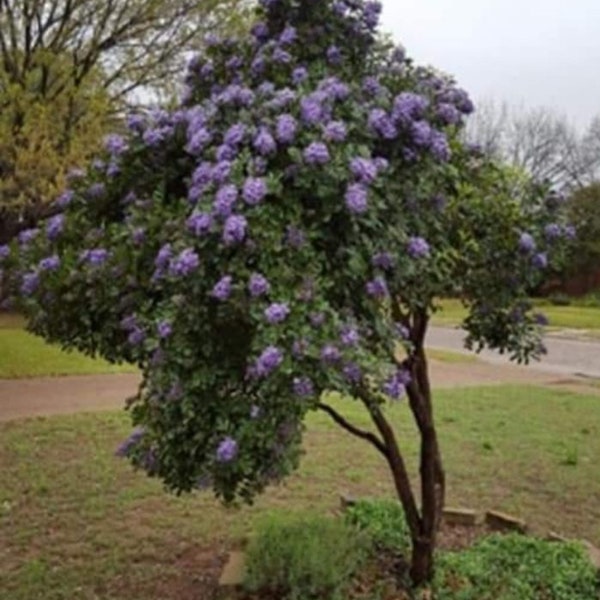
(75, 522)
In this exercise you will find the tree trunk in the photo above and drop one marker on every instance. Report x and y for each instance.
(421, 564)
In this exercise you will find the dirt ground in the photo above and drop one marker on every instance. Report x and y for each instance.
(24, 398)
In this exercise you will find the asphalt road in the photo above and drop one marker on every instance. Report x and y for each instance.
(565, 356)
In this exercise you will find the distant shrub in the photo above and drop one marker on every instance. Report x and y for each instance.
(304, 557)
(516, 567)
(383, 521)
(559, 299)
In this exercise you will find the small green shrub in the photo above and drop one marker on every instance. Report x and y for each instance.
(559, 299)
(383, 521)
(516, 567)
(301, 557)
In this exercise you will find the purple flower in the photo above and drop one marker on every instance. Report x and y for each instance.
(198, 140)
(268, 361)
(29, 283)
(254, 191)
(356, 198)
(440, 148)
(350, 336)
(131, 442)
(227, 450)
(371, 86)
(316, 154)
(377, 288)
(115, 144)
(128, 322)
(186, 262)
(371, 14)
(421, 133)
(526, 243)
(96, 190)
(553, 231)
(330, 354)
(260, 31)
(225, 152)
(335, 131)
(316, 319)
(418, 247)
(222, 289)
(28, 235)
(299, 75)
(383, 260)
(285, 129)
(294, 237)
(288, 36)
(95, 256)
(541, 319)
(65, 198)
(50, 263)
(570, 232)
(235, 229)
(266, 88)
(164, 330)
(281, 56)
(264, 143)
(225, 200)
(54, 226)
(4, 252)
(135, 122)
(448, 114)
(352, 372)
(258, 285)
(334, 55)
(200, 223)
(277, 313)
(234, 136)
(311, 110)
(364, 169)
(255, 411)
(303, 387)
(409, 107)
(234, 63)
(401, 331)
(202, 174)
(540, 260)
(220, 172)
(334, 89)
(163, 257)
(136, 336)
(380, 122)
(395, 386)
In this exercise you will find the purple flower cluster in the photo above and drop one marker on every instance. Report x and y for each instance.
(225, 200)
(277, 313)
(27, 236)
(50, 263)
(382, 124)
(526, 243)
(364, 169)
(223, 288)
(330, 354)
(164, 329)
(356, 198)
(383, 260)
(316, 153)
(264, 143)
(29, 283)
(395, 386)
(352, 373)
(377, 288)
(303, 387)
(115, 144)
(185, 263)
(335, 131)
(268, 361)
(254, 190)
(65, 199)
(418, 248)
(55, 226)
(234, 230)
(286, 128)
(199, 223)
(258, 285)
(227, 450)
(95, 256)
(4, 251)
(350, 336)
(409, 107)
(134, 439)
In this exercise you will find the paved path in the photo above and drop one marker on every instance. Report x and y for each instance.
(565, 356)
(22, 398)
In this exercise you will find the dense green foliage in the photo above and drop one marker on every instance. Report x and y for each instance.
(304, 557)
(383, 521)
(507, 567)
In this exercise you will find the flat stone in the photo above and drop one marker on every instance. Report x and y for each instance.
(503, 522)
(234, 571)
(347, 501)
(460, 516)
(593, 552)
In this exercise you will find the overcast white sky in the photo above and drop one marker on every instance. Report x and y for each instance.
(532, 52)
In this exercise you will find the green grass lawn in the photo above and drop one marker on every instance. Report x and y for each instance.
(562, 317)
(25, 355)
(75, 522)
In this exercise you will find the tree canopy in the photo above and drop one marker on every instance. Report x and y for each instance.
(283, 233)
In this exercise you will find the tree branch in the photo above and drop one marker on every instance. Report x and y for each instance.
(360, 433)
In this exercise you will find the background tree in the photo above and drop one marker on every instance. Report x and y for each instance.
(68, 67)
(284, 233)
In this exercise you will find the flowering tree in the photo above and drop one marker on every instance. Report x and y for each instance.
(285, 232)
